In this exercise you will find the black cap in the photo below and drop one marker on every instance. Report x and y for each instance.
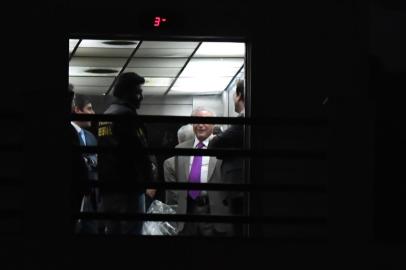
(126, 82)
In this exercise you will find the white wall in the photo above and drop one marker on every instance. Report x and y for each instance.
(211, 102)
(224, 99)
(231, 109)
(167, 105)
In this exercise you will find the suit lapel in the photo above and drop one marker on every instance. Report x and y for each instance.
(181, 168)
(86, 137)
(184, 163)
(90, 140)
(212, 165)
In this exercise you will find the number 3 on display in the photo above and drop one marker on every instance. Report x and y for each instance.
(158, 20)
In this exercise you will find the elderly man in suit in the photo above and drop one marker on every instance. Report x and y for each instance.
(198, 169)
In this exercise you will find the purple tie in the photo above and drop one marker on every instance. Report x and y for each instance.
(195, 172)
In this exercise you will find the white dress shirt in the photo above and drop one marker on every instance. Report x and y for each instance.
(79, 129)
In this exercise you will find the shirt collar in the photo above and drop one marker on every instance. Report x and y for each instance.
(205, 142)
(78, 129)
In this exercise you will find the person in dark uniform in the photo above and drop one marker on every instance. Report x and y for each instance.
(232, 167)
(130, 163)
(80, 180)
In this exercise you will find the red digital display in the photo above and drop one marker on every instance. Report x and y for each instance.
(158, 21)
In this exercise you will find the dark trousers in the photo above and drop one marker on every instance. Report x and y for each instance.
(123, 203)
(76, 202)
(90, 204)
(199, 207)
(237, 208)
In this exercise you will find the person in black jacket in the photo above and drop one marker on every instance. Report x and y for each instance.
(232, 167)
(233, 137)
(130, 163)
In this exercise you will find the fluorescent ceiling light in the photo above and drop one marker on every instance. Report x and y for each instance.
(105, 62)
(149, 81)
(91, 81)
(169, 44)
(212, 68)
(93, 43)
(153, 90)
(200, 85)
(104, 52)
(207, 76)
(91, 90)
(83, 71)
(157, 62)
(163, 52)
(221, 49)
(154, 72)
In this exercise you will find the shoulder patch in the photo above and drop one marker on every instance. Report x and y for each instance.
(104, 129)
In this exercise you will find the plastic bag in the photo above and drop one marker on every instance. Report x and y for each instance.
(159, 227)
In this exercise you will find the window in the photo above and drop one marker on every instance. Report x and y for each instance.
(181, 78)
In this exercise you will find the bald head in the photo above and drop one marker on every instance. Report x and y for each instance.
(185, 133)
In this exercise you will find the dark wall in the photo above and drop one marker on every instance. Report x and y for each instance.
(388, 82)
(301, 53)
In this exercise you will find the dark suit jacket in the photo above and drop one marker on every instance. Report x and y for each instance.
(80, 179)
(231, 138)
(92, 163)
(91, 159)
(90, 203)
(232, 168)
(90, 138)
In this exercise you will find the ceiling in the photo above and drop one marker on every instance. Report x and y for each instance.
(169, 67)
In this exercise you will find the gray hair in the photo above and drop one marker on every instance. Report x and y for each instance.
(185, 133)
(202, 109)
